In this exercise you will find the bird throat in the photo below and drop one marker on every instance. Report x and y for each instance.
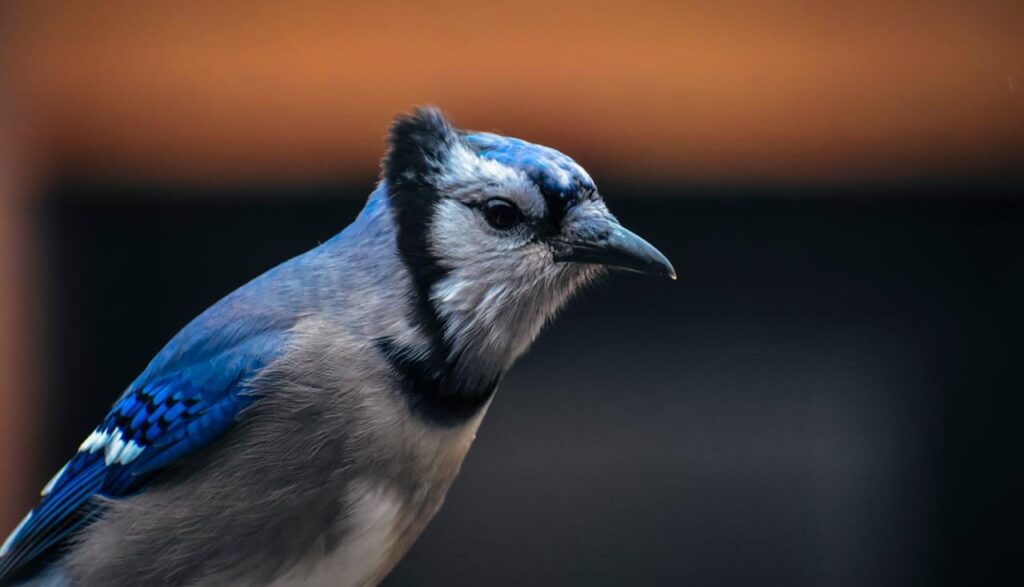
(430, 380)
(432, 388)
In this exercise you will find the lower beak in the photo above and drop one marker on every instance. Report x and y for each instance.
(614, 246)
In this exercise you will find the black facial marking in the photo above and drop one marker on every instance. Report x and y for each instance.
(434, 396)
(557, 203)
(420, 143)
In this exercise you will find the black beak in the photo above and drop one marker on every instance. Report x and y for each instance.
(614, 246)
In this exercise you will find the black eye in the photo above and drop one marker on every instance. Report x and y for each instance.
(501, 214)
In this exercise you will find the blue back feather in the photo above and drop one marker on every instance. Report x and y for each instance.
(189, 395)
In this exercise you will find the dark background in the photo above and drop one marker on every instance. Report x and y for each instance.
(829, 395)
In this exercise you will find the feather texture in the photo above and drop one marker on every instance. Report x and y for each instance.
(188, 397)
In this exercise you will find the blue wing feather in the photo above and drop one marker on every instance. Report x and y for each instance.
(189, 396)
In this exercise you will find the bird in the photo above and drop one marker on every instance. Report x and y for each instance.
(305, 428)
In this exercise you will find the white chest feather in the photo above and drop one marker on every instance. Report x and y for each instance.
(368, 551)
(406, 468)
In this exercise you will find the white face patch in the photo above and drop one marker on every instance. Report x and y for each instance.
(501, 285)
(500, 289)
(472, 179)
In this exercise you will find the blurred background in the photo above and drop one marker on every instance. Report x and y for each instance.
(829, 395)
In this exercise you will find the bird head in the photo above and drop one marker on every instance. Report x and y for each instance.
(497, 233)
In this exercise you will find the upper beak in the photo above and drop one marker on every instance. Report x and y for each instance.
(606, 242)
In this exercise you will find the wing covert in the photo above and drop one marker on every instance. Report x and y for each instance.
(170, 412)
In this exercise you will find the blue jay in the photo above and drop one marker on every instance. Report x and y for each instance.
(305, 428)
